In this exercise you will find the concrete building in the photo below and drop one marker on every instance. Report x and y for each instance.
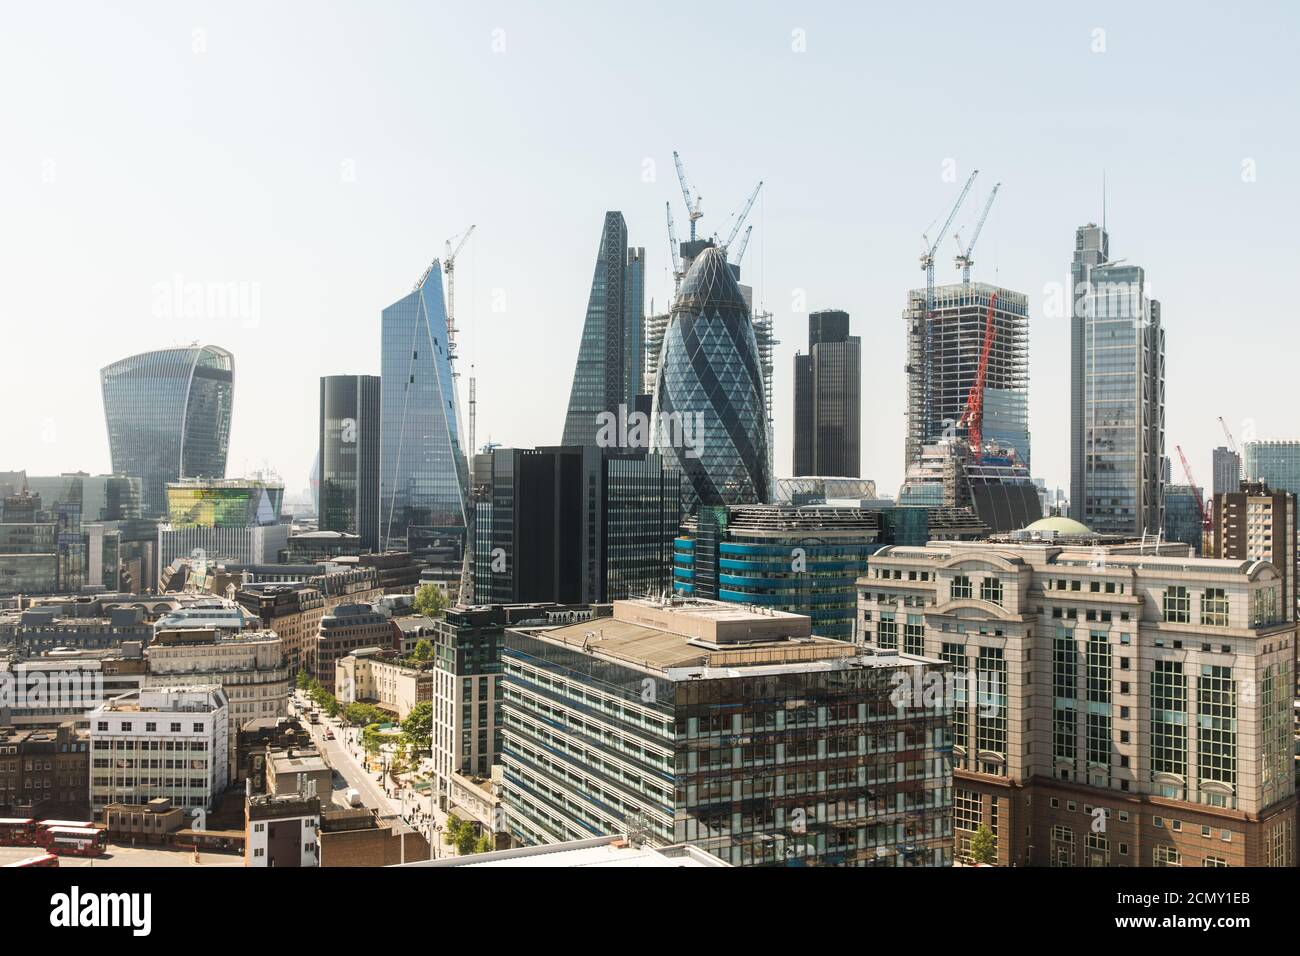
(736, 731)
(213, 521)
(281, 831)
(44, 773)
(298, 772)
(344, 630)
(1117, 393)
(249, 665)
(828, 399)
(63, 686)
(81, 627)
(943, 357)
(1100, 680)
(373, 675)
(1257, 522)
(1227, 471)
(164, 741)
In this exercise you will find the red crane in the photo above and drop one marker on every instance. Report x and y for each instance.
(973, 415)
(1207, 522)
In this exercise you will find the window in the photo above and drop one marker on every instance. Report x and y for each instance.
(1178, 605)
(1214, 607)
(1166, 856)
(1215, 861)
(176, 728)
(991, 590)
(961, 587)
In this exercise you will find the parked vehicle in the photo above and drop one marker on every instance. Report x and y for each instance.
(18, 831)
(353, 797)
(44, 859)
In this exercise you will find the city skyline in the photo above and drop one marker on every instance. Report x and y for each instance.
(831, 231)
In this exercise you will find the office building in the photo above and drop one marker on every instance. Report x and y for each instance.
(467, 645)
(349, 458)
(575, 524)
(218, 521)
(611, 353)
(1183, 521)
(943, 360)
(96, 497)
(345, 629)
(168, 415)
(709, 413)
(249, 665)
(1259, 522)
(801, 560)
(45, 773)
(1227, 471)
(1117, 393)
(706, 723)
(1276, 463)
(1102, 680)
(82, 626)
(995, 487)
(385, 678)
(165, 741)
(828, 399)
(424, 475)
(282, 831)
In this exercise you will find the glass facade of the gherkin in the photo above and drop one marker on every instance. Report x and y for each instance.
(424, 475)
(168, 414)
(709, 412)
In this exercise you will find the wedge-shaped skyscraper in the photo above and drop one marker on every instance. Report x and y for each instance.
(709, 412)
(424, 476)
(168, 415)
(609, 368)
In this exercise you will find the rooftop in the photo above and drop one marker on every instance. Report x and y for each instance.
(601, 851)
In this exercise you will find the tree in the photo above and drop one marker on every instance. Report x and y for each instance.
(423, 650)
(430, 600)
(485, 844)
(466, 839)
(303, 680)
(982, 847)
(362, 715)
(418, 726)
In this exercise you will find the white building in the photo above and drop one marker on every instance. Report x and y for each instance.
(166, 741)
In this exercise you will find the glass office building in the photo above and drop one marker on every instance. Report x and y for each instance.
(1276, 463)
(1117, 394)
(736, 731)
(424, 475)
(609, 368)
(709, 413)
(168, 414)
(349, 457)
(99, 497)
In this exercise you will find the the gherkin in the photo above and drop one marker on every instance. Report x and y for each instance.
(709, 409)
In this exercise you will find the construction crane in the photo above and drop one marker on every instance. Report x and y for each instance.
(744, 244)
(692, 205)
(673, 250)
(449, 267)
(1206, 522)
(1232, 445)
(927, 266)
(964, 260)
(744, 214)
(972, 417)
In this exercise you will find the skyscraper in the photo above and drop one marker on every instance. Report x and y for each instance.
(709, 413)
(953, 338)
(828, 399)
(1117, 393)
(349, 456)
(424, 475)
(168, 415)
(610, 368)
(1227, 471)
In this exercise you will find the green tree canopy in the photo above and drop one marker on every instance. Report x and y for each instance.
(418, 726)
(982, 847)
(430, 600)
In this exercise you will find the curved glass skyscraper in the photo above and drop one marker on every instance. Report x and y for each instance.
(424, 475)
(709, 412)
(168, 415)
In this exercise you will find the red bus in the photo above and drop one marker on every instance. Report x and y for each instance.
(45, 859)
(17, 831)
(75, 841)
(78, 824)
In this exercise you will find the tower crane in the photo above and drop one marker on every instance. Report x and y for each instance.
(927, 266)
(963, 259)
(692, 205)
(449, 267)
(740, 219)
(744, 244)
(1232, 445)
(1206, 521)
(972, 417)
(673, 250)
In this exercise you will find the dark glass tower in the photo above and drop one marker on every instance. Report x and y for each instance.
(709, 413)
(424, 476)
(611, 354)
(168, 415)
(349, 456)
(828, 399)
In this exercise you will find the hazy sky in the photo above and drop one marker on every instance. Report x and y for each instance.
(315, 156)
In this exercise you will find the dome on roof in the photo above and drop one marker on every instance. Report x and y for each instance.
(1060, 525)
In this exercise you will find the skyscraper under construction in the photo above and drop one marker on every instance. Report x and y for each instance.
(953, 338)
